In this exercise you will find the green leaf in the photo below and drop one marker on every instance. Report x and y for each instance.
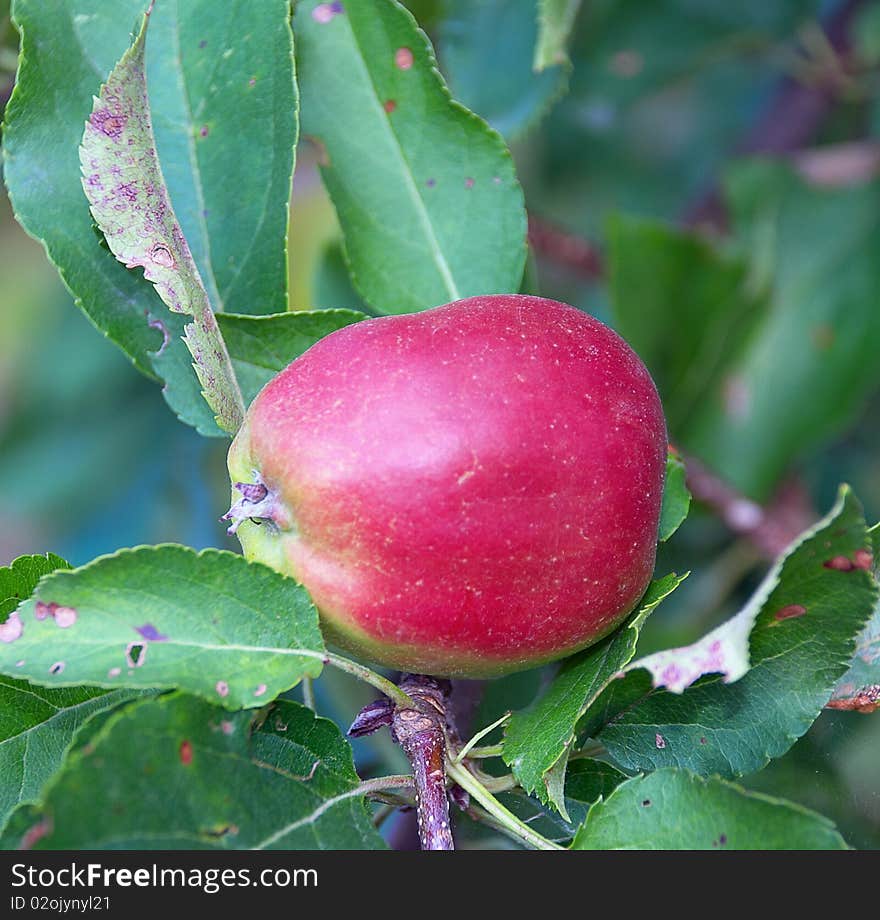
(676, 810)
(130, 203)
(210, 623)
(684, 308)
(555, 21)
(239, 174)
(745, 692)
(37, 728)
(859, 688)
(261, 346)
(225, 111)
(177, 773)
(536, 739)
(812, 362)
(425, 191)
(676, 497)
(20, 577)
(485, 50)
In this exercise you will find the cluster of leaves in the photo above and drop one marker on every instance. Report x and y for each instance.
(144, 699)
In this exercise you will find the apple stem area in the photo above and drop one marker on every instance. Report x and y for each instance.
(421, 724)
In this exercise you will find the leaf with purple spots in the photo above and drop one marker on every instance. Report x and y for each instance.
(230, 189)
(123, 182)
(211, 623)
(677, 810)
(744, 693)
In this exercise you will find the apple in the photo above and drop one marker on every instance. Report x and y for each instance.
(464, 492)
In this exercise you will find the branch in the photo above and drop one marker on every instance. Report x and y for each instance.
(421, 732)
(579, 255)
(770, 528)
(420, 725)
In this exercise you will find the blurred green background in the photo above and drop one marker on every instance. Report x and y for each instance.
(756, 124)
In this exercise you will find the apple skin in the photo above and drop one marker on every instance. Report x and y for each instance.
(465, 492)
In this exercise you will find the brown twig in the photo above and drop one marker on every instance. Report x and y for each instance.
(422, 729)
(770, 528)
(421, 732)
(579, 255)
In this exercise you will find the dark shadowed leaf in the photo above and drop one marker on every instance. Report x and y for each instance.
(37, 728)
(485, 51)
(586, 781)
(425, 191)
(676, 810)
(177, 773)
(233, 632)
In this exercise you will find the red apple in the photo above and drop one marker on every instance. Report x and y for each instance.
(466, 491)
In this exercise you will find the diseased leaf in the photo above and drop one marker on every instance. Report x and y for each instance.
(686, 309)
(812, 361)
(859, 688)
(676, 810)
(230, 188)
(486, 51)
(425, 192)
(177, 773)
(536, 739)
(236, 633)
(129, 201)
(555, 21)
(37, 726)
(676, 497)
(261, 346)
(743, 694)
